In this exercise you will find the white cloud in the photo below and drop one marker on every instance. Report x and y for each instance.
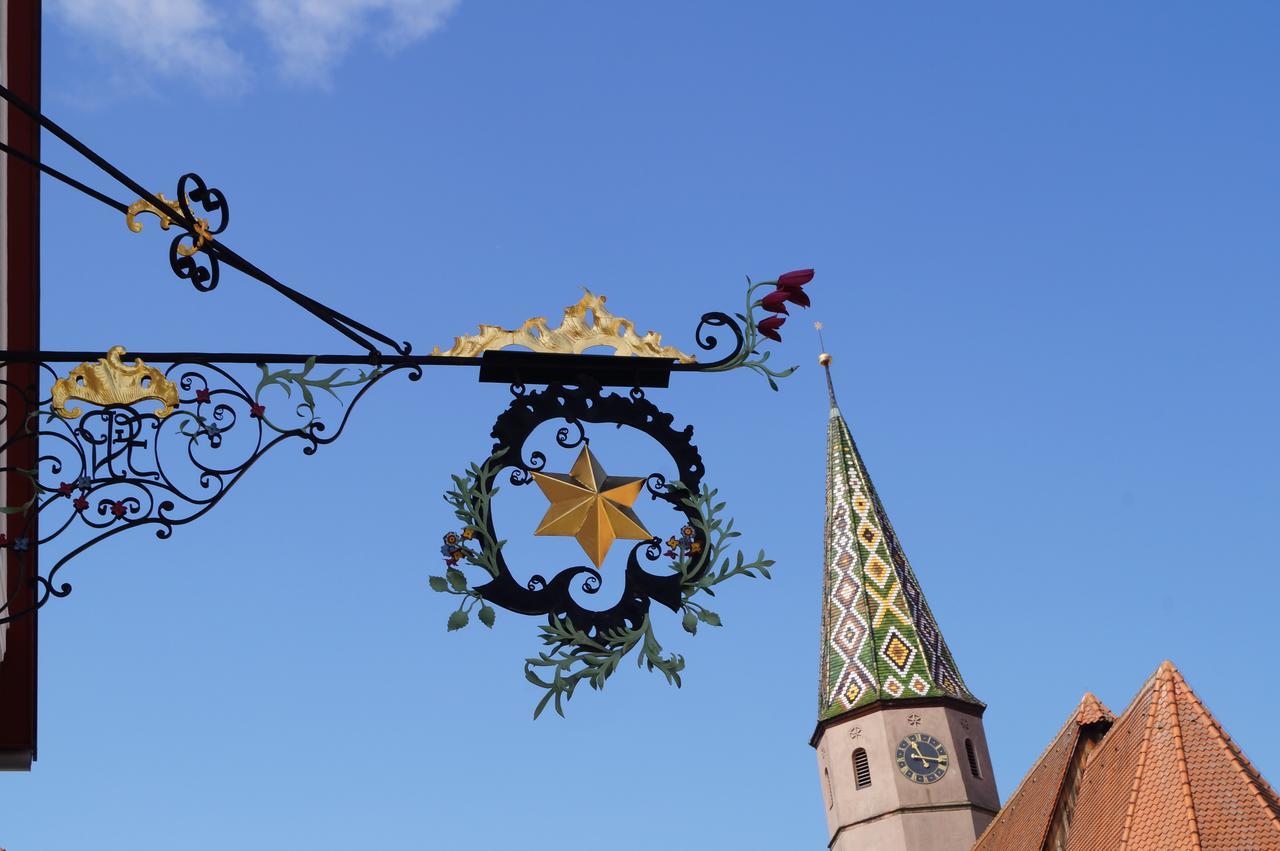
(189, 38)
(180, 38)
(311, 36)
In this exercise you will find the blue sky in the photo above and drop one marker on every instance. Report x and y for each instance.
(1046, 254)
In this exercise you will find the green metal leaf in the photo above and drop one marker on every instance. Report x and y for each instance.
(458, 620)
(486, 616)
(437, 583)
(690, 622)
(457, 579)
(709, 617)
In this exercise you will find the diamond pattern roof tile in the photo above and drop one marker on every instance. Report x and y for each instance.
(879, 638)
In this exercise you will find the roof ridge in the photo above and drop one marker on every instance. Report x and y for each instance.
(1261, 788)
(1180, 749)
(1073, 722)
(1091, 705)
(1089, 701)
(1142, 757)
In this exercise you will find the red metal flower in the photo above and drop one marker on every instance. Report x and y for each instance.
(768, 327)
(202, 395)
(796, 296)
(80, 503)
(798, 278)
(118, 509)
(775, 302)
(65, 488)
(256, 411)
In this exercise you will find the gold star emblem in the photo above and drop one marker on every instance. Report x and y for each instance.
(591, 506)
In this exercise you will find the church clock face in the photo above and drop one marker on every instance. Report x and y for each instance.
(921, 758)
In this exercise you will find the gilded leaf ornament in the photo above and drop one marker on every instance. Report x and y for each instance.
(111, 382)
(166, 210)
(585, 325)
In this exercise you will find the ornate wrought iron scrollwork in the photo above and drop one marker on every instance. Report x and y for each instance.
(748, 332)
(108, 468)
(578, 406)
(197, 234)
(709, 343)
(115, 467)
(186, 247)
(586, 644)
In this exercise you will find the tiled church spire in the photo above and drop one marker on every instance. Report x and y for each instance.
(879, 639)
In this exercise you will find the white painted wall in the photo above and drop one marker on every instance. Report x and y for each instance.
(894, 813)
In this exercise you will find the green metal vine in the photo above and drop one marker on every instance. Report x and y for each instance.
(470, 499)
(572, 656)
(288, 379)
(749, 355)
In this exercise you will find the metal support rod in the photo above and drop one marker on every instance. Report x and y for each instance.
(238, 357)
(357, 332)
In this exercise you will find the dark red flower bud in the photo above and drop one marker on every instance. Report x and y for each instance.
(769, 326)
(80, 503)
(118, 509)
(202, 395)
(774, 302)
(798, 278)
(256, 411)
(65, 488)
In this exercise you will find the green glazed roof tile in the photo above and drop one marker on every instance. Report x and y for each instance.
(879, 639)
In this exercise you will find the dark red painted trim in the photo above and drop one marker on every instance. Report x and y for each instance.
(22, 328)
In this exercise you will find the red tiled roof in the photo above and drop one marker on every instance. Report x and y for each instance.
(1026, 817)
(1165, 777)
(1092, 711)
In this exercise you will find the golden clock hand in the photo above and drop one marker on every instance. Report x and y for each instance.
(926, 759)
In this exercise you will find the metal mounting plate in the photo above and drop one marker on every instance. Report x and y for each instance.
(512, 366)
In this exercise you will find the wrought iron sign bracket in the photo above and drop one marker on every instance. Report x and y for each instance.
(156, 439)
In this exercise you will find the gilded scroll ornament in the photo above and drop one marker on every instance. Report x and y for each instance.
(167, 210)
(111, 382)
(585, 325)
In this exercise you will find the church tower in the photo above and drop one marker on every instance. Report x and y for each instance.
(902, 756)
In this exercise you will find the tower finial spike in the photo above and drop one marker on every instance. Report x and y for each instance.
(825, 359)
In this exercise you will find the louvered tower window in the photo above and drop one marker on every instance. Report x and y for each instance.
(973, 758)
(861, 769)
